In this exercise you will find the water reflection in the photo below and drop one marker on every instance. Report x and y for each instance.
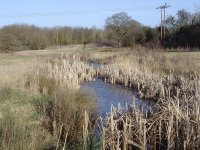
(108, 94)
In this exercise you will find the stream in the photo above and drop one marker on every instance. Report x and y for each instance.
(108, 94)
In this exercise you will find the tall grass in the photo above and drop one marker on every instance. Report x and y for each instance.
(42, 106)
(19, 128)
(151, 74)
(62, 112)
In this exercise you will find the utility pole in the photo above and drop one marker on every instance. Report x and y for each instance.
(165, 7)
(162, 21)
(161, 25)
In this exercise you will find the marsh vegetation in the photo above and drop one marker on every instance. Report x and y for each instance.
(167, 79)
(42, 104)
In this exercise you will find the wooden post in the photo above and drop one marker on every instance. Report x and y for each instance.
(161, 25)
(162, 22)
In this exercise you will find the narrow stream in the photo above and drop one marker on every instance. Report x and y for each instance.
(112, 94)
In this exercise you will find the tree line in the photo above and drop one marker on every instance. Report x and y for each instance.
(182, 31)
(22, 36)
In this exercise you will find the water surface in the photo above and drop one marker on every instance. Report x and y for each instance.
(112, 94)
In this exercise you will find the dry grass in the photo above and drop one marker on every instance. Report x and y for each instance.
(151, 73)
(41, 105)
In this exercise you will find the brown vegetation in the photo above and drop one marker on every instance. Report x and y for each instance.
(151, 72)
(173, 122)
(42, 106)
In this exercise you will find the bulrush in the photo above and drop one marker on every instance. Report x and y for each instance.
(170, 125)
(150, 82)
(71, 72)
(173, 122)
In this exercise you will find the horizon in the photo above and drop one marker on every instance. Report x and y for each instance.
(80, 13)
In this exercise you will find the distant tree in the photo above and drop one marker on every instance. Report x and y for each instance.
(171, 23)
(184, 18)
(196, 15)
(151, 37)
(140, 37)
(151, 34)
(135, 35)
(186, 37)
(8, 42)
(118, 26)
(184, 30)
(196, 18)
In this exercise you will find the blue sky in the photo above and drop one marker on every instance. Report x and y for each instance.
(85, 13)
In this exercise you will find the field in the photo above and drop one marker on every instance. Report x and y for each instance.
(42, 106)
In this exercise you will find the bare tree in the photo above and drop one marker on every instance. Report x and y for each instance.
(171, 23)
(184, 18)
(118, 25)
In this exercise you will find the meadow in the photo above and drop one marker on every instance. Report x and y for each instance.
(42, 106)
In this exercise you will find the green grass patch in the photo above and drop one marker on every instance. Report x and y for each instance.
(9, 94)
(16, 133)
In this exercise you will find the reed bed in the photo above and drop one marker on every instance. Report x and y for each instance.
(70, 72)
(168, 126)
(43, 108)
(174, 121)
(151, 75)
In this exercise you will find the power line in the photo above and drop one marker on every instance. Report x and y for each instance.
(47, 14)
(42, 14)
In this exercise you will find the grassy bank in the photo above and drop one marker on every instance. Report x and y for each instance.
(41, 104)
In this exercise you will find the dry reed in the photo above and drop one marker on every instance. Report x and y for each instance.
(174, 121)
